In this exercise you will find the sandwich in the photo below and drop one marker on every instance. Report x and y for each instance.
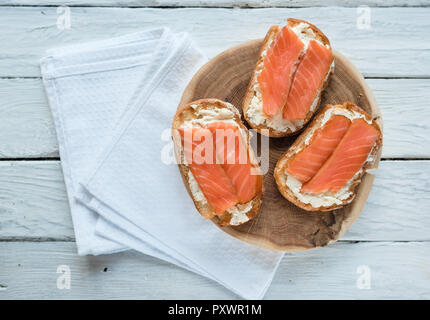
(322, 168)
(293, 69)
(216, 161)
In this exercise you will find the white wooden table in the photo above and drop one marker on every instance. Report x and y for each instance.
(390, 241)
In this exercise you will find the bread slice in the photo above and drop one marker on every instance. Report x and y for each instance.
(195, 114)
(253, 103)
(291, 190)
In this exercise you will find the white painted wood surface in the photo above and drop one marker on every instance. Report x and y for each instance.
(27, 129)
(33, 203)
(391, 236)
(397, 270)
(219, 3)
(392, 47)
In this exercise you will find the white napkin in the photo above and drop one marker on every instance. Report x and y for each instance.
(88, 87)
(114, 149)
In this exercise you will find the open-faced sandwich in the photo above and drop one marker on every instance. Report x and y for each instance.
(216, 161)
(293, 69)
(321, 170)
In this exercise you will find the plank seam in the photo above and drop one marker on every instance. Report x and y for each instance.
(394, 77)
(173, 6)
(58, 159)
(37, 239)
(31, 159)
(373, 77)
(72, 239)
(405, 159)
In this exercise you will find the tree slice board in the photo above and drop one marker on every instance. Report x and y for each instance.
(281, 225)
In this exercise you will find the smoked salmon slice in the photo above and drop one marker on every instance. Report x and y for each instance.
(346, 160)
(234, 158)
(210, 176)
(308, 79)
(305, 164)
(279, 65)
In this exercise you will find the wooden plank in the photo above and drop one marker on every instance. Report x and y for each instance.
(33, 203)
(26, 32)
(219, 3)
(27, 130)
(397, 271)
(404, 104)
(333, 272)
(398, 204)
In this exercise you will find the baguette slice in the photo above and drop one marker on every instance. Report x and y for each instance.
(291, 189)
(276, 126)
(197, 114)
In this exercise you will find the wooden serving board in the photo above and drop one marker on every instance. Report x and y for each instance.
(281, 225)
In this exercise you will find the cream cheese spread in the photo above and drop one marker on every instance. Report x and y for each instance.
(255, 112)
(325, 199)
(204, 116)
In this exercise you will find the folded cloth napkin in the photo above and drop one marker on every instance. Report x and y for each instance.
(113, 102)
(88, 87)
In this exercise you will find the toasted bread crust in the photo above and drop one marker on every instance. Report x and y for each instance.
(270, 36)
(319, 35)
(300, 142)
(186, 113)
